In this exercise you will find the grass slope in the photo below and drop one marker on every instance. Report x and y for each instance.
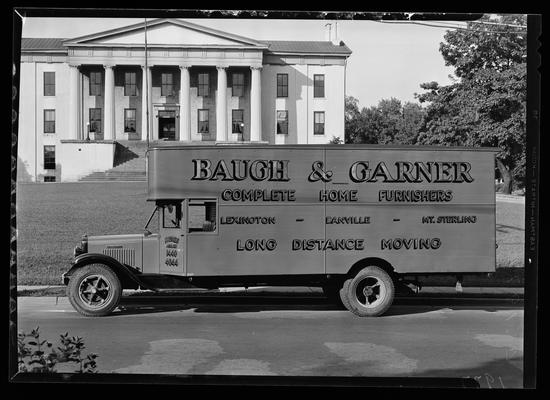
(51, 218)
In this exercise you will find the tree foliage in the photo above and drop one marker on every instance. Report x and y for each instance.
(389, 122)
(486, 107)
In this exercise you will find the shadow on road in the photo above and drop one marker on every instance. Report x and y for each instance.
(502, 373)
(226, 305)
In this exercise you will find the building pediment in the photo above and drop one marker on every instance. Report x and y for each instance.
(165, 33)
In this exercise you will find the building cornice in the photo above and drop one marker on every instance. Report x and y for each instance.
(165, 46)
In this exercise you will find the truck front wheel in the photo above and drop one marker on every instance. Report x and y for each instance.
(94, 290)
(369, 293)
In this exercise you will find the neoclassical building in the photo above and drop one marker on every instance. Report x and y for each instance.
(81, 96)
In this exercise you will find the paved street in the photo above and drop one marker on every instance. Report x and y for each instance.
(266, 338)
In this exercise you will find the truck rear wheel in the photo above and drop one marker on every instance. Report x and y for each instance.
(369, 293)
(94, 290)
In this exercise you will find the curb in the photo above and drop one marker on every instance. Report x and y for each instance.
(426, 292)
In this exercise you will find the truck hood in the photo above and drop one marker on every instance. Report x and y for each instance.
(115, 239)
(127, 249)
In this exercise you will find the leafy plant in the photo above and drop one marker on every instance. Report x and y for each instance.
(36, 355)
(336, 140)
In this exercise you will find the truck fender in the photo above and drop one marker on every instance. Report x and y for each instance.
(128, 276)
(365, 262)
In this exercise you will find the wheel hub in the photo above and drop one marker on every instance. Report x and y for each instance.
(367, 291)
(370, 292)
(94, 290)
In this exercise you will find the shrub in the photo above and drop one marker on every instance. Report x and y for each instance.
(35, 355)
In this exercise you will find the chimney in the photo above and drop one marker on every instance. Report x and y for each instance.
(336, 35)
(328, 33)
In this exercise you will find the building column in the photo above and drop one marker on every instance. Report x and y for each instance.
(255, 105)
(145, 98)
(74, 95)
(109, 108)
(221, 106)
(185, 104)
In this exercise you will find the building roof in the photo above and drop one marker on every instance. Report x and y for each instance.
(274, 46)
(306, 47)
(29, 44)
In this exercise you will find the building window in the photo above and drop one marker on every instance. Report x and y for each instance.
(95, 83)
(282, 121)
(202, 215)
(49, 179)
(49, 157)
(203, 121)
(319, 123)
(49, 83)
(130, 88)
(238, 85)
(282, 85)
(238, 121)
(49, 121)
(95, 119)
(318, 86)
(129, 120)
(167, 88)
(204, 87)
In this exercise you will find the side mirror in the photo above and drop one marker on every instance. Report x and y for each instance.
(146, 232)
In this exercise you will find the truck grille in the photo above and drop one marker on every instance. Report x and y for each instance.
(125, 256)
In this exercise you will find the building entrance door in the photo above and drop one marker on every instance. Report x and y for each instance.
(167, 124)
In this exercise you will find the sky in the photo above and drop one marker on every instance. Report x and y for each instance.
(387, 60)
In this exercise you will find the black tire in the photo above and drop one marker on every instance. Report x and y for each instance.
(332, 293)
(369, 293)
(94, 290)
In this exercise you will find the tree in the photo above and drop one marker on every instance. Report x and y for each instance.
(389, 122)
(352, 123)
(486, 106)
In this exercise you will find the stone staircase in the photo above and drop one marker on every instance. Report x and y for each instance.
(129, 164)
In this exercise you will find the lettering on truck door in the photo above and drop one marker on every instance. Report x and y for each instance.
(173, 238)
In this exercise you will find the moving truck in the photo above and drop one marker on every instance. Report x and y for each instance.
(356, 220)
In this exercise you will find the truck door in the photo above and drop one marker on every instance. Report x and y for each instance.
(173, 238)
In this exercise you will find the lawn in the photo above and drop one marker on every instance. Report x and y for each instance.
(51, 218)
(510, 234)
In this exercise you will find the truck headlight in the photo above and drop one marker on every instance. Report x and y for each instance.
(82, 247)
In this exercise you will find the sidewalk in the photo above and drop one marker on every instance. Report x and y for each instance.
(509, 198)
